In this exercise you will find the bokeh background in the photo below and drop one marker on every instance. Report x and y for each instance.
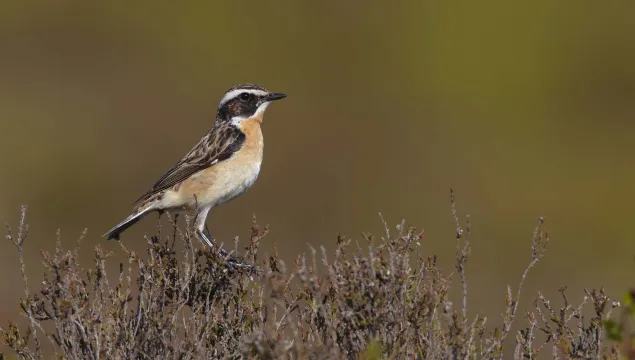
(526, 109)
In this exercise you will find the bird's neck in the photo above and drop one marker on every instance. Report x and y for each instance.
(251, 126)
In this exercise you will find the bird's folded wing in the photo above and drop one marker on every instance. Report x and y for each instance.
(215, 147)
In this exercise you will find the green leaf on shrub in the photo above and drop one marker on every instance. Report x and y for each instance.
(613, 330)
(373, 351)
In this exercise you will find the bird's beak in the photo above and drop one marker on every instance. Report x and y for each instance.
(275, 96)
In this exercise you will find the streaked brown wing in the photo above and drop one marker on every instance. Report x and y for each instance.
(217, 146)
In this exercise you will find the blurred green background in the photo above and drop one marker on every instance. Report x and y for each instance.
(525, 109)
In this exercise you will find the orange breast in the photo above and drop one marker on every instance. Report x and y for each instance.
(227, 179)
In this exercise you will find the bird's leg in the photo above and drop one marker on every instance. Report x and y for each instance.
(205, 238)
(199, 224)
(207, 232)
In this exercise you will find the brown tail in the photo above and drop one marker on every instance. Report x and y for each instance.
(122, 226)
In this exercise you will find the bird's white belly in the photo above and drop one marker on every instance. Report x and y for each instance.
(231, 184)
(217, 184)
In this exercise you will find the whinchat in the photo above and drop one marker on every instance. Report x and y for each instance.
(223, 165)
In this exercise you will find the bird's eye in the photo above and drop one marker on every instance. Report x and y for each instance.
(245, 96)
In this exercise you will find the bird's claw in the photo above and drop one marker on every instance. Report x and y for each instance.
(231, 261)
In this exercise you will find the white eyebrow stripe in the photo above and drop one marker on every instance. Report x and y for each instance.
(232, 94)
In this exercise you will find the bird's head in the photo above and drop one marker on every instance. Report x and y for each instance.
(245, 101)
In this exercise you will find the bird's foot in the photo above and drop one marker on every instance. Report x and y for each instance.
(231, 260)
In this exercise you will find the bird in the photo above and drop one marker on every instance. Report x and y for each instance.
(221, 166)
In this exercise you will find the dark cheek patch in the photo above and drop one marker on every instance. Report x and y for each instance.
(235, 107)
